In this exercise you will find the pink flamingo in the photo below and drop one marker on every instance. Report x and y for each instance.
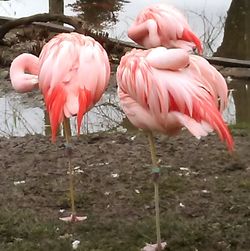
(165, 90)
(163, 25)
(72, 72)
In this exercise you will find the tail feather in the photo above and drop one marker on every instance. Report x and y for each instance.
(207, 111)
(55, 103)
(217, 122)
(204, 118)
(84, 100)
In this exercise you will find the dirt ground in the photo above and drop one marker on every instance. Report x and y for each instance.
(204, 191)
(205, 203)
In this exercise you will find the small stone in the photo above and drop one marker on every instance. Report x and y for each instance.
(75, 244)
(4, 74)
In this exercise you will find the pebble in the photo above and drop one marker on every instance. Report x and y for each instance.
(4, 74)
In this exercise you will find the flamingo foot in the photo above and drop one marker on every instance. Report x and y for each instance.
(153, 247)
(73, 218)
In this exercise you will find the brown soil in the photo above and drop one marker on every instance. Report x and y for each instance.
(204, 192)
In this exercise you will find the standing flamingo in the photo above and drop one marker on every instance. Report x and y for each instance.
(165, 90)
(163, 25)
(72, 72)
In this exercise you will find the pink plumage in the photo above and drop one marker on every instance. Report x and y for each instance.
(166, 89)
(73, 72)
(24, 73)
(163, 25)
(69, 78)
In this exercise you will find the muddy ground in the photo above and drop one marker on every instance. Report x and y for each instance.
(205, 202)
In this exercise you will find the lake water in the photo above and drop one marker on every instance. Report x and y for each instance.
(18, 119)
(207, 19)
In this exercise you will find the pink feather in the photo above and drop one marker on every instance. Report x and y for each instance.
(163, 25)
(164, 90)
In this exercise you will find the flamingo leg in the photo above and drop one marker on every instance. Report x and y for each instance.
(67, 134)
(156, 175)
(68, 152)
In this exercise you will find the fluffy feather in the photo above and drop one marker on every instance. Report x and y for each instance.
(166, 98)
(68, 76)
(163, 25)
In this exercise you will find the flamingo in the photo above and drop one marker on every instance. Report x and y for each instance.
(165, 90)
(72, 73)
(163, 25)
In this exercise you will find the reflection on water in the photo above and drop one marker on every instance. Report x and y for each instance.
(241, 96)
(229, 114)
(17, 119)
(105, 116)
(98, 14)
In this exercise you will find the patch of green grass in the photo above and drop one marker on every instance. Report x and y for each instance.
(226, 228)
(245, 184)
(174, 183)
(23, 231)
(240, 126)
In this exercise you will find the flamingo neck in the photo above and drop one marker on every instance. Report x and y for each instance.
(26, 63)
(24, 72)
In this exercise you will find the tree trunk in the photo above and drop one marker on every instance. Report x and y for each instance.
(56, 6)
(236, 41)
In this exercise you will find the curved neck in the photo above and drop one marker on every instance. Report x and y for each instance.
(24, 72)
(25, 63)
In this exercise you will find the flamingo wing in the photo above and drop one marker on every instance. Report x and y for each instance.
(200, 69)
(74, 72)
(171, 98)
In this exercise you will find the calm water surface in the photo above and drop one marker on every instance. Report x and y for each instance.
(207, 19)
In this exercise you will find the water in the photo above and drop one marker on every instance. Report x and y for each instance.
(241, 103)
(207, 18)
(18, 119)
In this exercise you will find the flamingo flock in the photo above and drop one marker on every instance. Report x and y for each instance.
(164, 88)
